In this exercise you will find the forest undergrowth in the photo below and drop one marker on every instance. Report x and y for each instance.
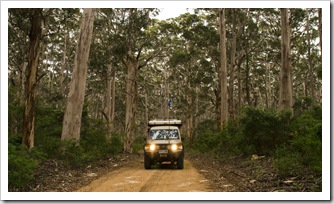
(269, 145)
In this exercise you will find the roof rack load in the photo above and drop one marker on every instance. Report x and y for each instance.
(173, 122)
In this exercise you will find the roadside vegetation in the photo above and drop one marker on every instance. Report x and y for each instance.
(93, 146)
(292, 140)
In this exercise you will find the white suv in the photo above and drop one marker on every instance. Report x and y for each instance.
(163, 143)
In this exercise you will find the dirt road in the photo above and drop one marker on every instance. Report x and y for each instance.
(164, 178)
(125, 172)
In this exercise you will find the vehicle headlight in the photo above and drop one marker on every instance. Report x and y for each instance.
(174, 147)
(152, 147)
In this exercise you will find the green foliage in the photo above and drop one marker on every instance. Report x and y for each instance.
(94, 133)
(92, 147)
(302, 153)
(48, 125)
(293, 141)
(233, 139)
(15, 119)
(206, 126)
(21, 166)
(93, 144)
(208, 142)
(263, 130)
(209, 139)
(302, 104)
(304, 150)
(286, 163)
(309, 123)
(206, 136)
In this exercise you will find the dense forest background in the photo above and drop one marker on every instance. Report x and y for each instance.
(83, 83)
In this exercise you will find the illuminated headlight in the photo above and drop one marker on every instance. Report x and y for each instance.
(152, 147)
(174, 147)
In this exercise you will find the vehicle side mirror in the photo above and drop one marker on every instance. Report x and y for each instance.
(145, 139)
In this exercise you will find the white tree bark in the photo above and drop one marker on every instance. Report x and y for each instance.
(131, 105)
(285, 82)
(28, 128)
(75, 99)
(223, 71)
(108, 108)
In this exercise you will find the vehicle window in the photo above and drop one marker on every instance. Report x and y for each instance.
(164, 134)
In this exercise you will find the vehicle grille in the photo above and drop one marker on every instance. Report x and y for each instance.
(163, 146)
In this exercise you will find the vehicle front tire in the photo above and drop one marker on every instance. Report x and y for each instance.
(147, 162)
(180, 162)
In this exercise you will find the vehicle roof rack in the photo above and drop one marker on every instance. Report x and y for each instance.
(161, 122)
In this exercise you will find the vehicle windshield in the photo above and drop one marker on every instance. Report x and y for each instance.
(163, 134)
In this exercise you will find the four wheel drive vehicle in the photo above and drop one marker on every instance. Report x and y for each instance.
(163, 143)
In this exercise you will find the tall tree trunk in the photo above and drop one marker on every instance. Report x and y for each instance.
(247, 79)
(310, 64)
(268, 86)
(113, 98)
(190, 112)
(216, 102)
(146, 113)
(189, 122)
(63, 66)
(131, 105)
(196, 115)
(320, 28)
(165, 108)
(22, 82)
(232, 67)
(108, 102)
(239, 82)
(285, 82)
(31, 80)
(223, 70)
(247, 83)
(131, 61)
(75, 99)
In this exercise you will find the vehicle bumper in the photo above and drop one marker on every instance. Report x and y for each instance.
(160, 157)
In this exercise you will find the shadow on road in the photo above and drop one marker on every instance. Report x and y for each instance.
(165, 165)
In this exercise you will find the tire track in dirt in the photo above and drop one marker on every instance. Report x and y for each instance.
(165, 178)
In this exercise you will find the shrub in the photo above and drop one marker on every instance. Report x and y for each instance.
(302, 153)
(310, 122)
(206, 138)
(93, 138)
(304, 150)
(93, 145)
(208, 142)
(15, 139)
(21, 167)
(73, 154)
(15, 119)
(49, 122)
(263, 130)
(234, 142)
(302, 104)
(50, 147)
(116, 143)
(287, 161)
(138, 145)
